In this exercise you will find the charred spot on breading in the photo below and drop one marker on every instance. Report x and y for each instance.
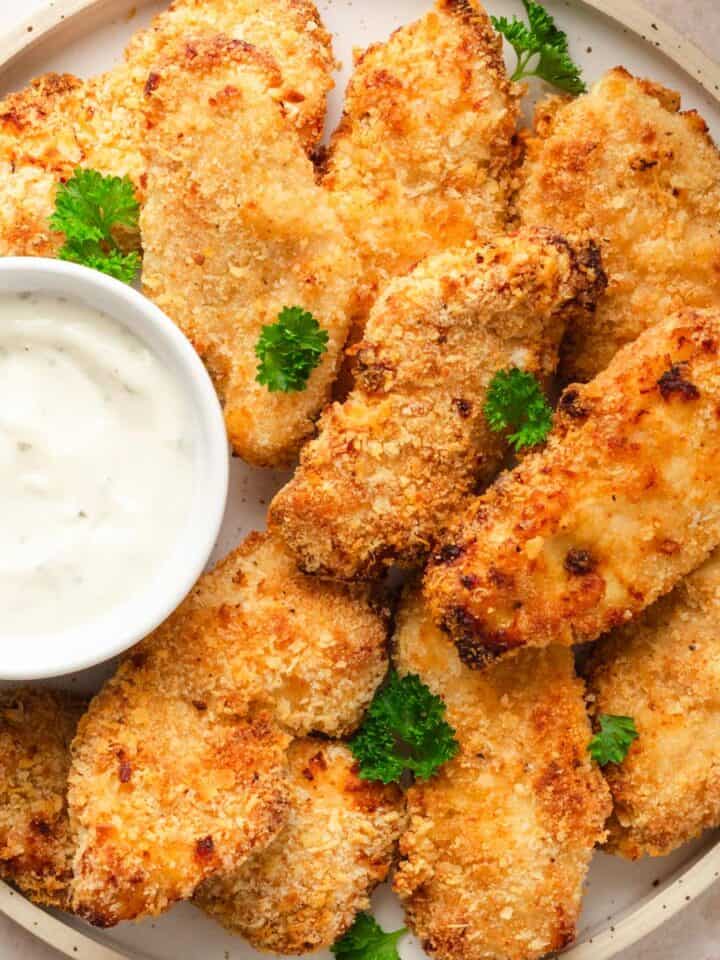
(673, 382)
(572, 406)
(579, 562)
(448, 553)
(463, 407)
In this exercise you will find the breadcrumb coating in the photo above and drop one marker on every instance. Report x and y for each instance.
(305, 889)
(179, 768)
(394, 462)
(59, 123)
(644, 179)
(422, 160)
(234, 229)
(291, 31)
(622, 503)
(36, 727)
(662, 670)
(500, 840)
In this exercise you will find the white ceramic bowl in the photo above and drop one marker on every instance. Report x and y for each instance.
(40, 656)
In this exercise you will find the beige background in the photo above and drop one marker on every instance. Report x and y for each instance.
(695, 933)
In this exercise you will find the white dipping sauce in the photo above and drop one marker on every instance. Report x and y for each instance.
(96, 463)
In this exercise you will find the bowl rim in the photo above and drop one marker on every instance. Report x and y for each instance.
(196, 540)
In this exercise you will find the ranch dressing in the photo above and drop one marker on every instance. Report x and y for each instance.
(96, 463)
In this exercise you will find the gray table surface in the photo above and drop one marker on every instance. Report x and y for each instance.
(695, 933)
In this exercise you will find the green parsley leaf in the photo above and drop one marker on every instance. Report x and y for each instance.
(541, 39)
(516, 402)
(366, 940)
(404, 730)
(612, 742)
(89, 209)
(289, 350)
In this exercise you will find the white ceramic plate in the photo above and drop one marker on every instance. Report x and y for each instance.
(624, 901)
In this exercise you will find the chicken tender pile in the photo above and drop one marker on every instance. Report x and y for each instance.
(235, 229)
(644, 179)
(179, 769)
(620, 505)
(304, 891)
(662, 670)
(422, 160)
(500, 840)
(36, 847)
(395, 461)
(60, 123)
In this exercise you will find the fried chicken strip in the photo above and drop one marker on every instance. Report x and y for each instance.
(179, 768)
(662, 671)
(395, 461)
(305, 890)
(644, 179)
(500, 840)
(36, 850)
(59, 123)
(423, 157)
(620, 505)
(235, 229)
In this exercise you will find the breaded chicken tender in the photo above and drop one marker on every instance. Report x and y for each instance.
(422, 160)
(36, 727)
(304, 891)
(179, 769)
(59, 123)
(644, 179)
(500, 840)
(395, 461)
(662, 670)
(620, 505)
(234, 229)
(291, 31)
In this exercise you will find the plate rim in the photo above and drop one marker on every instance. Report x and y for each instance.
(656, 909)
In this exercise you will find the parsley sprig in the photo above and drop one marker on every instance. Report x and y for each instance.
(289, 350)
(612, 742)
(542, 39)
(366, 940)
(404, 730)
(90, 209)
(515, 402)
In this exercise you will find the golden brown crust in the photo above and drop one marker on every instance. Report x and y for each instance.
(619, 506)
(291, 31)
(422, 159)
(179, 766)
(395, 461)
(36, 849)
(644, 179)
(499, 842)
(662, 671)
(235, 229)
(59, 122)
(305, 890)
(177, 774)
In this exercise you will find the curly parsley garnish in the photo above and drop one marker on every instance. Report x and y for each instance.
(515, 402)
(366, 940)
(289, 350)
(89, 209)
(404, 730)
(612, 742)
(541, 38)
